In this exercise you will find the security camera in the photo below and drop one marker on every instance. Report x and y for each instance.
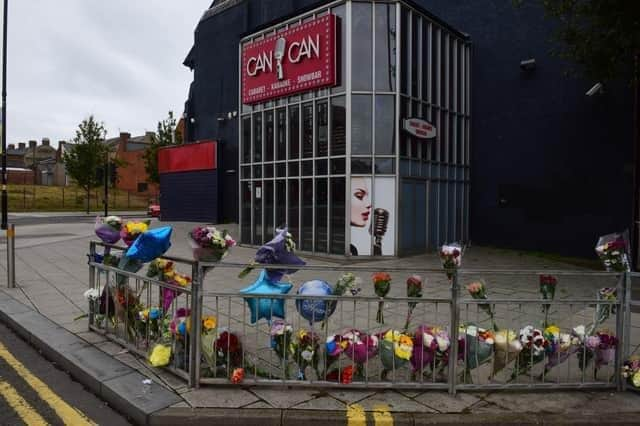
(192, 120)
(596, 89)
(528, 64)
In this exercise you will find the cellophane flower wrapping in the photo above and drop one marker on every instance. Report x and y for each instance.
(108, 229)
(305, 349)
(451, 258)
(613, 251)
(160, 355)
(208, 244)
(479, 345)
(281, 338)
(507, 348)
(381, 286)
(430, 348)
(132, 230)
(396, 349)
(360, 346)
(631, 371)
(605, 352)
(279, 251)
(560, 345)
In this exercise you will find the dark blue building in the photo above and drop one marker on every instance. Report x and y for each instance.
(522, 157)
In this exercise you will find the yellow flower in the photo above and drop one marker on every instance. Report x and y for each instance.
(209, 322)
(301, 334)
(181, 280)
(136, 227)
(144, 314)
(635, 379)
(404, 347)
(160, 355)
(553, 329)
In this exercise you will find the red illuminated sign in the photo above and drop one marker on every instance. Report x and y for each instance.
(296, 60)
(419, 128)
(188, 157)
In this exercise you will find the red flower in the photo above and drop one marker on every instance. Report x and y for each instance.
(228, 342)
(347, 375)
(380, 276)
(237, 376)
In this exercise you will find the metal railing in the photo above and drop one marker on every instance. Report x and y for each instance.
(299, 351)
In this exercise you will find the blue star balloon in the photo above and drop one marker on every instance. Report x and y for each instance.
(150, 244)
(315, 309)
(265, 308)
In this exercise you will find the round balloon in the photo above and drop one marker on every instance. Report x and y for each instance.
(315, 309)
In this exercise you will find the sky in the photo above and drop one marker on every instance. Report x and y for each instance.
(120, 60)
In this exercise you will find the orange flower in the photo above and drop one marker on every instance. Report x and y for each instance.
(347, 375)
(380, 276)
(237, 376)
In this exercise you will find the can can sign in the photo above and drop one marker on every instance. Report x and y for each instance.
(419, 128)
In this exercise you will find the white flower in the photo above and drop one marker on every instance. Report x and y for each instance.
(443, 343)
(427, 339)
(565, 341)
(579, 331)
(489, 341)
(615, 253)
(307, 355)
(92, 294)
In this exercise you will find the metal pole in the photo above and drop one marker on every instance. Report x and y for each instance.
(106, 184)
(453, 349)
(5, 204)
(11, 256)
(620, 315)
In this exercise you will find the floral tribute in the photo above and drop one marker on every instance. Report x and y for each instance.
(548, 291)
(612, 250)
(132, 230)
(108, 229)
(631, 371)
(381, 286)
(451, 258)
(396, 349)
(164, 270)
(305, 350)
(414, 289)
(430, 349)
(279, 251)
(208, 244)
(478, 291)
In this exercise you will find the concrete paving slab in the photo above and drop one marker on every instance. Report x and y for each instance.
(395, 403)
(258, 405)
(284, 398)
(351, 396)
(221, 397)
(537, 402)
(91, 337)
(128, 394)
(445, 403)
(324, 403)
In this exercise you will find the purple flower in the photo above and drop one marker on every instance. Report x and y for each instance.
(275, 252)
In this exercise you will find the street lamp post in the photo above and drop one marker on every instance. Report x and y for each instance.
(5, 204)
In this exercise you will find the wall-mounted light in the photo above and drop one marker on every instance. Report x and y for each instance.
(528, 64)
(597, 89)
(221, 118)
(192, 120)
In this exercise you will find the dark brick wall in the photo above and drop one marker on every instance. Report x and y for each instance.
(193, 197)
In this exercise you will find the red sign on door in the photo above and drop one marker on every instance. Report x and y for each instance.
(296, 60)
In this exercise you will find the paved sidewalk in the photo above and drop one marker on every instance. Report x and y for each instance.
(52, 276)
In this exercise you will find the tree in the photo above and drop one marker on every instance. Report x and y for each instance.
(86, 155)
(165, 136)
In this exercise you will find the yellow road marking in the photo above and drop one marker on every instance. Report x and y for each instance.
(382, 416)
(26, 412)
(356, 415)
(67, 413)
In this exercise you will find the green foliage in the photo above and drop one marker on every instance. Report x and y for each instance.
(86, 154)
(602, 37)
(166, 135)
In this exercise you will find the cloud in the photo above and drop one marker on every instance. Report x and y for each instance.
(119, 60)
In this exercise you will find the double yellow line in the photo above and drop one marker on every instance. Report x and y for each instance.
(356, 416)
(68, 414)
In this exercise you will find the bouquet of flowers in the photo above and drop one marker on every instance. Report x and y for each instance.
(534, 346)
(228, 350)
(479, 345)
(507, 348)
(396, 349)
(132, 230)
(281, 338)
(149, 323)
(360, 347)
(613, 250)
(603, 311)
(279, 251)
(164, 270)
(561, 346)
(430, 348)
(414, 289)
(208, 244)
(180, 325)
(605, 352)
(587, 351)
(478, 291)
(108, 229)
(305, 349)
(548, 291)
(381, 285)
(631, 371)
(451, 258)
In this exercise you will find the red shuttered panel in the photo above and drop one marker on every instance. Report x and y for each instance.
(188, 157)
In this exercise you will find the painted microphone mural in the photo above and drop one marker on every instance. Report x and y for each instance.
(372, 226)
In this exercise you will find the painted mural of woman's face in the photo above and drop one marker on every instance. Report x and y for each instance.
(360, 202)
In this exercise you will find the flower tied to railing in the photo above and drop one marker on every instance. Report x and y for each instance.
(613, 249)
(430, 350)
(132, 230)
(208, 244)
(305, 350)
(414, 289)
(631, 371)
(396, 349)
(164, 270)
(381, 286)
(279, 251)
(478, 291)
(548, 291)
(534, 346)
(451, 258)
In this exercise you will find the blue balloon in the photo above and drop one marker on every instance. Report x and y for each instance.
(315, 309)
(265, 308)
(150, 244)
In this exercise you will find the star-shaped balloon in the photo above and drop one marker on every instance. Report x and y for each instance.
(265, 308)
(150, 244)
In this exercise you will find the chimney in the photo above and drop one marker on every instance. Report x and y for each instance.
(11, 146)
(125, 136)
(45, 141)
(33, 144)
(22, 146)
(61, 143)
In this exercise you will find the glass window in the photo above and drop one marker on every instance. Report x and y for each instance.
(294, 209)
(404, 136)
(385, 47)
(321, 167)
(246, 139)
(306, 240)
(268, 210)
(307, 168)
(246, 172)
(257, 171)
(245, 212)
(294, 132)
(362, 46)
(281, 203)
(404, 50)
(307, 130)
(385, 124)
(281, 134)
(322, 113)
(268, 170)
(360, 166)
(443, 70)
(435, 68)
(281, 169)
(337, 166)
(321, 203)
(426, 58)
(294, 168)
(385, 166)
(268, 135)
(257, 138)
(338, 129)
(257, 213)
(338, 213)
(415, 59)
(341, 33)
(361, 124)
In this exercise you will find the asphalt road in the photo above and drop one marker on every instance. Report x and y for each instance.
(34, 392)
(36, 218)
